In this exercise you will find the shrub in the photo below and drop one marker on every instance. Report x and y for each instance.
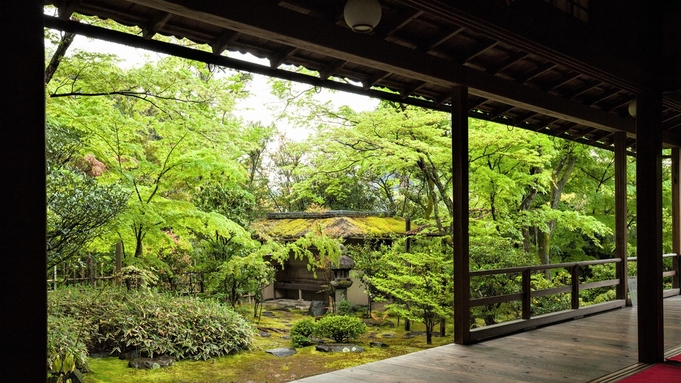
(344, 307)
(340, 328)
(154, 323)
(68, 336)
(301, 332)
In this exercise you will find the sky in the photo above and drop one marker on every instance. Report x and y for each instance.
(256, 108)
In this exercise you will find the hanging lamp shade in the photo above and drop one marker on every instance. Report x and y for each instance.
(362, 15)
(632, 108)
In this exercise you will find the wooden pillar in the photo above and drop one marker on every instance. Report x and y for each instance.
(621, 213)
(649, 227)
(22, 155)
(462, 279)
(676, 213)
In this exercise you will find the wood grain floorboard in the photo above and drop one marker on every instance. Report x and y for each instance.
(578, 350)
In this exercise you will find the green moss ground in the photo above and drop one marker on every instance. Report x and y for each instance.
(259, 366)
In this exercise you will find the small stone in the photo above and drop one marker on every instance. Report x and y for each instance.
(282, 351)
(265, 334)
(378, 345)
(338, 348)
(317, 308)
(151, 363)
(389, 336)
(268, 314)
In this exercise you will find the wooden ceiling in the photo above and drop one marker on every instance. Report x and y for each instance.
(559, 67)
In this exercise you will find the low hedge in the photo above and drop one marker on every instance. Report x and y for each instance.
(301, 332)
(153, 323)
(340, 328)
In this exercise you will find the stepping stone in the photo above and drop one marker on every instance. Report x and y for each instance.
(338, 348)
(281, 351)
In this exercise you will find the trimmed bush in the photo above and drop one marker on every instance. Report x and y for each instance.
(340, 328)
(301, 332)
(344, 307)
(154, 323)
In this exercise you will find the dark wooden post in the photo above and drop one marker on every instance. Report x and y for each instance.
(676, 214)
(462, 278)
(574, 303)
(649, 227)
(621, 213)
(527, 294)
(22, 154)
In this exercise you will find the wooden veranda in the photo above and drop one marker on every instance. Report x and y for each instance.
(600, 347)
(601, 72)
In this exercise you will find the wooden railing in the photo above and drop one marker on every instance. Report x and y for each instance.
(528, 321)
(674, 274)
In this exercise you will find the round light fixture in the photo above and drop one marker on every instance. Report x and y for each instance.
(632, 108)
(362, 15)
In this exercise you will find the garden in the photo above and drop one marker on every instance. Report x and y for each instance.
(155, 185)
(198, 340)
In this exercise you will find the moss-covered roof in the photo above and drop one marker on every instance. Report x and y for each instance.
(345, 226)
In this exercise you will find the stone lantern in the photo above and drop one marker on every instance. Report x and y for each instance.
(341, 278)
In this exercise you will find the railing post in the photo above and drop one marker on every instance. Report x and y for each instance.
(575, 286)
(527, 294)
(676, 279)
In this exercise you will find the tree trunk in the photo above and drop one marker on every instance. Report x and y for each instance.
(560, 177)
(430, 323)
(64, 44)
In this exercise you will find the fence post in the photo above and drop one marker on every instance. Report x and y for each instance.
(575, 286)
(527, 294)
(91, 270)
(119, 262)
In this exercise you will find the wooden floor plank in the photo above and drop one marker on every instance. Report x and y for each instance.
(581, 350)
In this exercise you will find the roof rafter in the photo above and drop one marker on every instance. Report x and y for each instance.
(263, 19)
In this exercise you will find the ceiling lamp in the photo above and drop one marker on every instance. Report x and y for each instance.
(632, 108)
(362, 15)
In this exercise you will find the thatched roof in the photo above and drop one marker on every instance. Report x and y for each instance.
(336, 224)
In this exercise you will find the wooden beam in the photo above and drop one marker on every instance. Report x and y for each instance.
(335, 66)
(621, 213)
(676, 213)
(223, 42)
(66, 9)
(649, 228)
(280, 57)
(263, 19)
(519, 25)
(462, 279)
(156, 24)
(22, 153)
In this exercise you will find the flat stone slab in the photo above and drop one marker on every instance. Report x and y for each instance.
(339, 348)
(281, 351)
(151, 363)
